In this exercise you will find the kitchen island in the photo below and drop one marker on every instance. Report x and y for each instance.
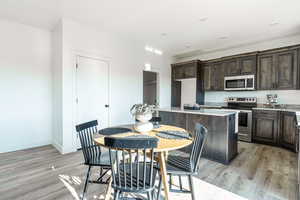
(221, 145)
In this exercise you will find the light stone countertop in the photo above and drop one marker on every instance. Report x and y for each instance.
(286, 108)
(278, 109)
(202, 111)
(282, 107)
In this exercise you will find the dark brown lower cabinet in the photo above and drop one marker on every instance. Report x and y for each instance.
(275, 128)
(288, 132)
(265, 127)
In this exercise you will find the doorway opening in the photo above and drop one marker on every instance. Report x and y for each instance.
(150, 88)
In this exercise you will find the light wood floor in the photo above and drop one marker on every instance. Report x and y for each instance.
(259, 172)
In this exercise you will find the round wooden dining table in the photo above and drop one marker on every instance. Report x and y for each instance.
(164, 145)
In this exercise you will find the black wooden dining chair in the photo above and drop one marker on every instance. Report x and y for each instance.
(93, 156)
(130, 175)
(183, 163)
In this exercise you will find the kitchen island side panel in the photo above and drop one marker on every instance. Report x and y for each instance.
(221, 144)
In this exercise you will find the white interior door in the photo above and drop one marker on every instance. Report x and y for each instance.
(92, 83)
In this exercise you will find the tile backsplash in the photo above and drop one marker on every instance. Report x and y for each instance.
(284, 96)
(188, 94)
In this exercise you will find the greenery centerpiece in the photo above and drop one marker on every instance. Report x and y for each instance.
(142, 113)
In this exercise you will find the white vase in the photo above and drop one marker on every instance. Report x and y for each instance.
(144, 117)
(143, 127)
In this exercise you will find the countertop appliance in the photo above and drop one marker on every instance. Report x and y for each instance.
(244, 105)
(239, 82)
(191, 107)
(272, 99)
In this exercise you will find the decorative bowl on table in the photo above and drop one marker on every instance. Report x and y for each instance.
(143, 115)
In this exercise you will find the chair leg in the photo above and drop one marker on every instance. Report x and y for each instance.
(86, 182)
(153, 194)
(149, 195)
(191, 187)
(180, 182)
(101, 171)
(159, 188)
(117, 195)
(170, 182)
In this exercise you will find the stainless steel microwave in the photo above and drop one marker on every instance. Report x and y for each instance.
(239, 82)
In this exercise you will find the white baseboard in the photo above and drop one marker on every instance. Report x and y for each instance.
(57, 146)
(23, 147)
(62, 149)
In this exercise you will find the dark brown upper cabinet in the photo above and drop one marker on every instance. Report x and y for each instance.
(265, 72)
(185, 70)
(177, 72)
(248, 65)
(241, 66)
(277, 70)
(213, 76)
(286, 70)
(190, 70)
(207, 76)
(232, 67)
(217, 78)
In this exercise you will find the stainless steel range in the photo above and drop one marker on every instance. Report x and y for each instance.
(244, 105)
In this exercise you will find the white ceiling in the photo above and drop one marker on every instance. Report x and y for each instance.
(188, 24)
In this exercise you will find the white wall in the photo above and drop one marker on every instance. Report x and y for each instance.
(126, 59)
(285, 97)
(25, 85)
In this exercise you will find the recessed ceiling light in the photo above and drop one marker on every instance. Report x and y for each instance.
(163, 34)
(158, 52)
(148, 48)
(223, 37)
(203, 19)
(274, 24)
(153, 50)
(187, 46)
